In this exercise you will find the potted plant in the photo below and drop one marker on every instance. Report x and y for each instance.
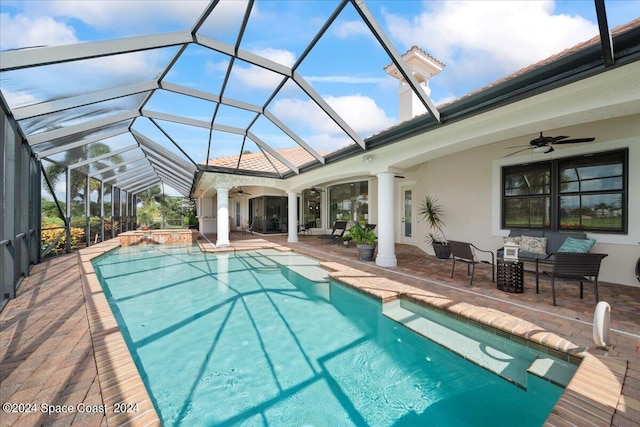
(365, 240)
(432, 213)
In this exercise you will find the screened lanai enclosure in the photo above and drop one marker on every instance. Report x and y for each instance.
(87, 126)
(115, 117)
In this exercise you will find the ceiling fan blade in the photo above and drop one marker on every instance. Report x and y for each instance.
(541, 140)
(555, 139)
(519, 151)
(574, 141)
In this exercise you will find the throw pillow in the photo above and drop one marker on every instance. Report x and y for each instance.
(536, 245)
(576, 245)
(514, 239)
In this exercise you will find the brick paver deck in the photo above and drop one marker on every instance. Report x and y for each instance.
(62, 351)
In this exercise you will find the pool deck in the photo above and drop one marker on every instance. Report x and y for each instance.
(62, 351)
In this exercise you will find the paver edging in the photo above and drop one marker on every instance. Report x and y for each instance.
(103, 328)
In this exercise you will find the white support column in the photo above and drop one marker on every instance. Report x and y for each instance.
(386, 220)
(292, 225)
(223, 217)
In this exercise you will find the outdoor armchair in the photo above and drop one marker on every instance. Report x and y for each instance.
(583, 267)
(465, 252)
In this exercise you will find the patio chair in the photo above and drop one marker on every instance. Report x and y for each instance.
(339, 227)
(583, 267)
(465, 252)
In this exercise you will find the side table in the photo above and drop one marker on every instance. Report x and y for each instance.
(510, 275)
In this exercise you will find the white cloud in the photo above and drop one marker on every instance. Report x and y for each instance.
(280, 56)
(490, 38)
(360, 112)
(352, 28)
(214, 68)
(133, 16)
(21, 31)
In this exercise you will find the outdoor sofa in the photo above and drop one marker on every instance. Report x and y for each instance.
(539, 246)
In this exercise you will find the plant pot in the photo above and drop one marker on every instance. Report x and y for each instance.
(366, 252)
(442, 250)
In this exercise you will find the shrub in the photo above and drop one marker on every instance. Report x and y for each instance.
(50, 235)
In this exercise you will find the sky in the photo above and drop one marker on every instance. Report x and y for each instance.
(478, 41)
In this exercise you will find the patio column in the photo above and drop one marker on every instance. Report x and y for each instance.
(386, 237)
(223, 217)
(292, 224)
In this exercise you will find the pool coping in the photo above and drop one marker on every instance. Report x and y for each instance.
(591, 397)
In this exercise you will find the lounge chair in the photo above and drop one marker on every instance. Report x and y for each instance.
(465, 252)
(339, 227)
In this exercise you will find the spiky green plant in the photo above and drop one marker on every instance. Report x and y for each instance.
(432, 213)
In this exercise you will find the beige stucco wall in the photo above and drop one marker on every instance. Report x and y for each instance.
(467, 184)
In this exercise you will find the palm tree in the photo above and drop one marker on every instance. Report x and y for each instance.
(152, 203)
(54, 171)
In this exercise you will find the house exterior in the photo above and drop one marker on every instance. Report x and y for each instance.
(467, 162)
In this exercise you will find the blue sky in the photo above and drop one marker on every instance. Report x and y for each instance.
(478, 41)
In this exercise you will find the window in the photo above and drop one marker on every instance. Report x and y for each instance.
(527, 196)
(311, 214)
(584, 193)
(349, 201)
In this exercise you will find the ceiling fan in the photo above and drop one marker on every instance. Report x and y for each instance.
(543, 144)
(241, 192)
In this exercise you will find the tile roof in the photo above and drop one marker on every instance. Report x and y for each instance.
(265, 162)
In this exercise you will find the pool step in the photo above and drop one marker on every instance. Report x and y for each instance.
(260, 263)
(551, 369)
(509, 360)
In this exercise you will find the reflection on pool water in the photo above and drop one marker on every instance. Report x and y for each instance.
(261, 338)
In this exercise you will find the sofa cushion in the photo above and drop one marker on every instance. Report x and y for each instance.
(536, 245)
(576, 245)
(530, 256)
(555, 239)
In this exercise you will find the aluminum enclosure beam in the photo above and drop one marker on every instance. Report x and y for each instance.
(79, 128)
(56, 105)
(260, 143)
(102, 157)
(79, 143)
(26, 58)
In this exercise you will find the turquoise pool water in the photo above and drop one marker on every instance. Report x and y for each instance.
(258, 339)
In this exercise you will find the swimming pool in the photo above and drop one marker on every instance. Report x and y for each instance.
(243, 340)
